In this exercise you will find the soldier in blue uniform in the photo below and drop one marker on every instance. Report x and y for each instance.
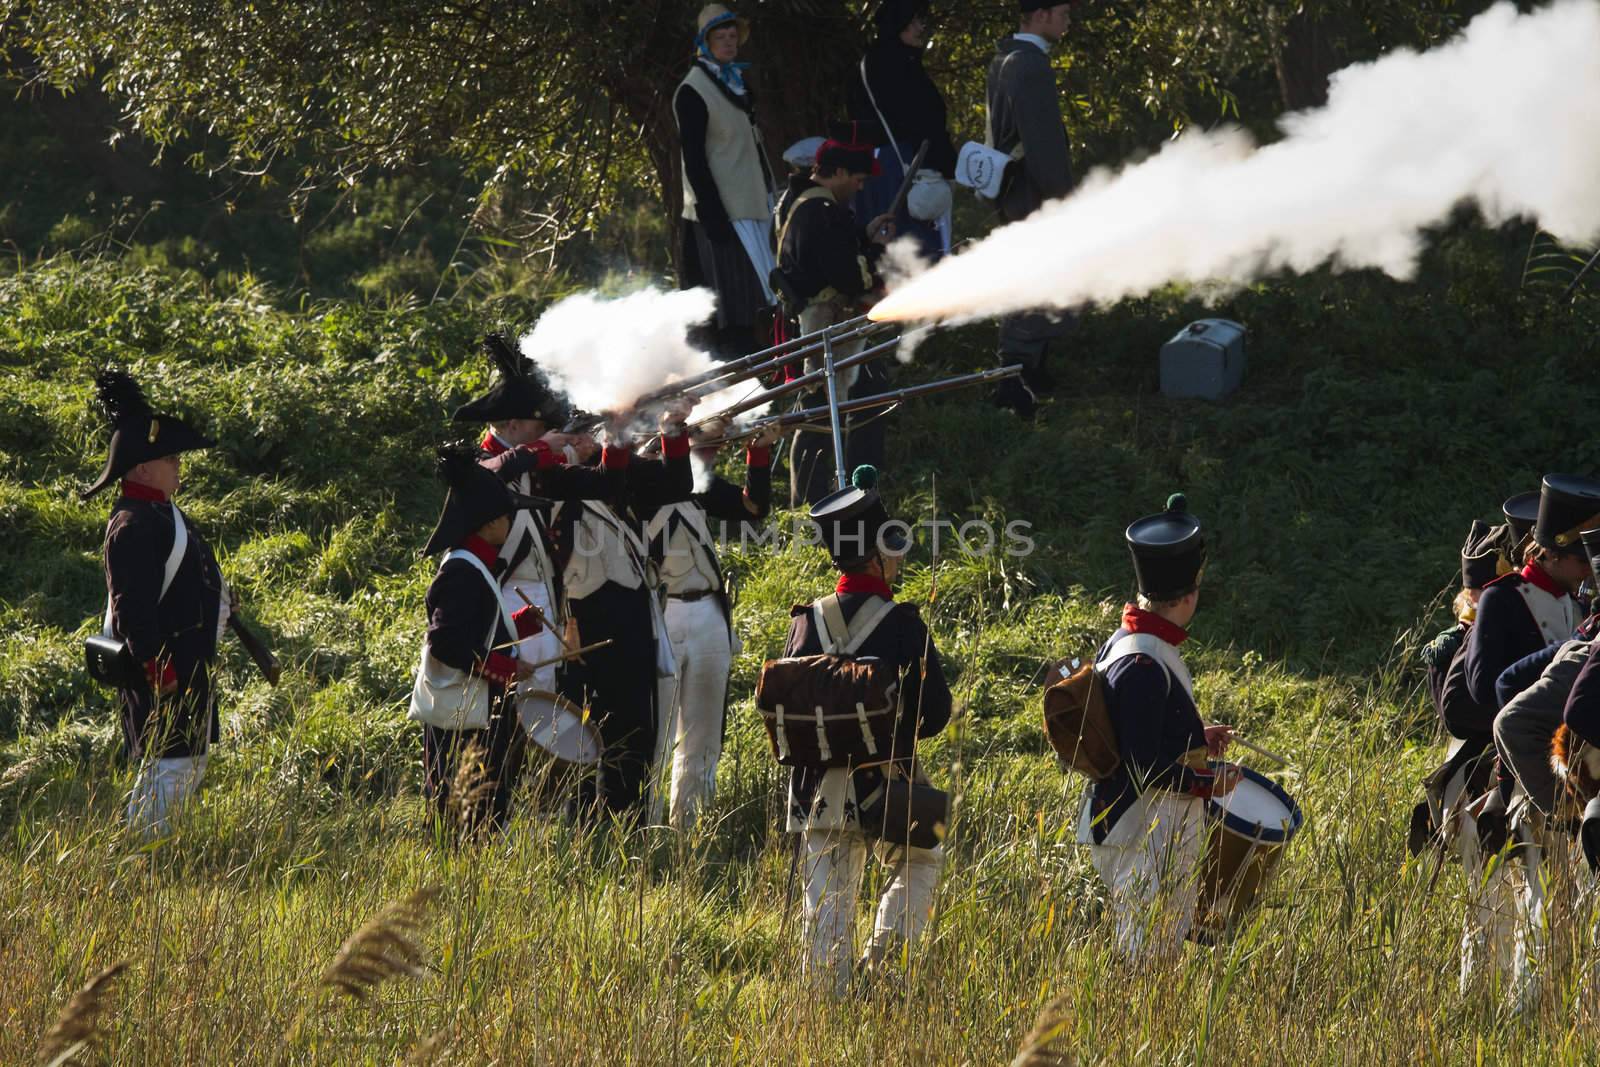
(1145, 824)
(166, 599)
(826, 804)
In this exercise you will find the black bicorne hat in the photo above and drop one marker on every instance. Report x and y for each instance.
(519, 392)
(1521, 512)
(1169, 551)
(855, 525)
(850, 147)
(1568, 505)
(474, 498)
(1482, 554)
(137, 433)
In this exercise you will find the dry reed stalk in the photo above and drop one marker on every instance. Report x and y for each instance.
(384, 947)
(470, 788)
(428, 1050)
(77, 1028)
(1036, 1050)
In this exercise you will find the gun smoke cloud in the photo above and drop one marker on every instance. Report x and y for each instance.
(1506, 116)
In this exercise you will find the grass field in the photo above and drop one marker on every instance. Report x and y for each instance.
(1376, 421)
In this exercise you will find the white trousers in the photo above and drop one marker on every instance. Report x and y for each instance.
(689, 735)
(161, 790)
(832, 864)
(1502, 926)
(1149, 863)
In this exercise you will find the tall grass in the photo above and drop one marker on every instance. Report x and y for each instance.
(1376, 420)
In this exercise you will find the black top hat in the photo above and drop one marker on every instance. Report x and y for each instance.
(1481, 554)
(1568, 505)
(1169, 551)
(518, 393)
(475, 498)
(1521, 512)
(137, 433)
(854, 523)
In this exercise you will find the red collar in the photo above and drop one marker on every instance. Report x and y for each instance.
(1139, 621)
(140, 491)
(482, 549)
(864, 583)
(1535, 574)
(492, 444)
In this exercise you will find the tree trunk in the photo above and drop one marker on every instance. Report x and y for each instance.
(1304, 57)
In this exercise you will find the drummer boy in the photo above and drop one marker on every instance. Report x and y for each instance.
(1145, 824)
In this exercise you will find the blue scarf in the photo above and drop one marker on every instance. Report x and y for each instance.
(730, 74)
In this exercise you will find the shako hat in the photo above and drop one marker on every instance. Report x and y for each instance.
(518, 392)
(1482, 554)
(1568, 505)
(855, 525)
(713, 15)
(474, 498)
(1169, 551)
(1521, 512)
(1591, 545)
(851, 147)
(138, 434)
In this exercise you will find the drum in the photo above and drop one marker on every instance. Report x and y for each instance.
(1248, 830)
(556, 727)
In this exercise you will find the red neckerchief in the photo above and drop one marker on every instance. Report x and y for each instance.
(482, 549)
(863, 583)
(492, 444)
(1535, 574)
(140, 491)
(1139, 621)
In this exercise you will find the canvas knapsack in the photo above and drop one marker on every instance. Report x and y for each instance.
(1077, 721)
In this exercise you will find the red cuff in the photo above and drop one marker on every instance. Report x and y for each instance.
(615, 457)
(547, 456)
(499, 668)
(675, 446)
(527, 622)
(160, 673)
(1202, 784)
(757, 457)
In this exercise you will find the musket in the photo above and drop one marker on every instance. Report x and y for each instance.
(905, 182)
(866, 403)
(1585, 269)
(265, 661)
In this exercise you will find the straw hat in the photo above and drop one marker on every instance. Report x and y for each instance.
(713, 15)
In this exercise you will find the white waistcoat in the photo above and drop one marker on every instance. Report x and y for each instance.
(1557, 616)
(688, 562)
(604, 549)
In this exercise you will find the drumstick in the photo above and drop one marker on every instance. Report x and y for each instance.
(573, 654)
(1262, 752)
(544, 620)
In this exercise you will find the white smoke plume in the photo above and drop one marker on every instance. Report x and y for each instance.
(1507, 115)
(606, 352)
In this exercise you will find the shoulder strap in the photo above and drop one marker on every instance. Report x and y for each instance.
(494, 586)
(872, 97)
(840, 638)
(814, 193)
(1150, 645)
(169, 571)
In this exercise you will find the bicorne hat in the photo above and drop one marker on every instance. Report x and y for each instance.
(851, 146)
(1568, 505)
(138, 434)
(1521, 512)
(474, 498)
(1482, 555)
(519, 391)
(1169, 551)
(854, 524)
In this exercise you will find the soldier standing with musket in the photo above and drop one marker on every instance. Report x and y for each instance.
(840, 811)
(699, 621)
(610, 587)
(166, 602)
(827, 266)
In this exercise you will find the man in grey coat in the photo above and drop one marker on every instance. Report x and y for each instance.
(1025, 121)
(1525, 726)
